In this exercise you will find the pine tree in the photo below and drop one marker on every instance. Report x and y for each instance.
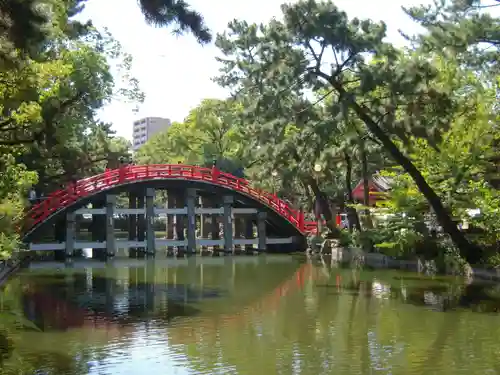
(22, 21)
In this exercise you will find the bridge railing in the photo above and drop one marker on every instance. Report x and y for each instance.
(133, 173)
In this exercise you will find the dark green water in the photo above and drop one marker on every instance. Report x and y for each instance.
(244, 315)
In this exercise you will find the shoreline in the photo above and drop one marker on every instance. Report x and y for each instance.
(372, 260)
(381, 261)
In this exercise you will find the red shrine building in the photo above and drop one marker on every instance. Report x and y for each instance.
(378, 186)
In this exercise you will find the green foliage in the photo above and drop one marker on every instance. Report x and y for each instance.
(49, 98)
(210, 132)
(368, 96)
(166, 12)
(14, 182)
(464, 30)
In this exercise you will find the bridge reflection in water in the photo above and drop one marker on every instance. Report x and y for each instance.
(115, 295)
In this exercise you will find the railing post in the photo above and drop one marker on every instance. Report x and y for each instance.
(45, 210)
(300, 221)
(121, 174)
(215, 174)
(106, 176)
(71, 191)
(128, 171)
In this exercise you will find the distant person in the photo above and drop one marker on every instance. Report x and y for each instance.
(32, 196)
(215, 170)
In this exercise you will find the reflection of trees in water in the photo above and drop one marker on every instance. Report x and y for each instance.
(358, 326)
(6, 346)
(475, 297)
(12, 345)
(441, 296)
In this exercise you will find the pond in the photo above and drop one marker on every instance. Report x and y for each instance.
(243, 315)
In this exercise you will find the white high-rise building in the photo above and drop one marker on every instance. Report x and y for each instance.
(145, 128)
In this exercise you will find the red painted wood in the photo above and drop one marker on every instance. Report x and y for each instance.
(138, 173)
(358, 191)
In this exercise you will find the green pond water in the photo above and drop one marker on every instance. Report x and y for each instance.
(243, 315)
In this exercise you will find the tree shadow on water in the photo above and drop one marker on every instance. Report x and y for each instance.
(475, 297)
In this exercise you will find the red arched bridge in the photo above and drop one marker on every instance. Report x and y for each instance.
(239, 197)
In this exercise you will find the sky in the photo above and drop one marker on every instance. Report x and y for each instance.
(175, 72)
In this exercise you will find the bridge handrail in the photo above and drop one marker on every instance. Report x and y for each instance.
(130, 173)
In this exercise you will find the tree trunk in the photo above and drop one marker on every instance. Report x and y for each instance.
(366, 183)
(469, 251)
(324, 206)
(307, 191)
(352, 214)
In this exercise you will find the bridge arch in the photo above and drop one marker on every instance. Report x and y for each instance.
(170, 176)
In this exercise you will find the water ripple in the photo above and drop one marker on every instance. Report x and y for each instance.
(245, 318)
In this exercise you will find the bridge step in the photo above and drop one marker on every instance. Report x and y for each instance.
(125, 244)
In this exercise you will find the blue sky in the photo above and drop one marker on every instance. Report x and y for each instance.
(175, 72)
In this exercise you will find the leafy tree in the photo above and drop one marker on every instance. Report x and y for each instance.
(69, 140)
(460, 172)
(395, 94)
(49, 131)
(210, 132)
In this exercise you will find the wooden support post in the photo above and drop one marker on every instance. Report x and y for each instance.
(249, 234)
(141, 224)
(228, 225)
(239, 222)
(140, 219)
(110, 225)
(132, 224)
(261, 230)
(205, 220)
(98, 229)
(70, 233)
(191, 220)
(60, 236)
(150, 218)
(170, 221)
(180, 202)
